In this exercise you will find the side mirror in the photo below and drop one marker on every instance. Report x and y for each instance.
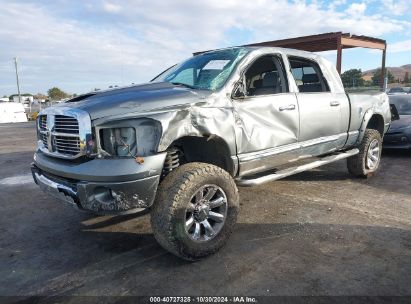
(239, 90)
(394, 112)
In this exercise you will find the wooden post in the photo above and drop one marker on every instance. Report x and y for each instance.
(382, 83)
(339, 54)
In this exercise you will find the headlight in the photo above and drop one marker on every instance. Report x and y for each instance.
(132, 138)
(119, 141)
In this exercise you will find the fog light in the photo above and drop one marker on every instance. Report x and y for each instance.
(103, 195)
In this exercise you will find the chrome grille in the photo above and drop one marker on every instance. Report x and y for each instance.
(64, 132)
(43, 138)
(43, 122)
(65, 124)
(70, 143)
(67, 145)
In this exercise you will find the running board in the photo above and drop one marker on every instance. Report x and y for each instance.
(248, 182)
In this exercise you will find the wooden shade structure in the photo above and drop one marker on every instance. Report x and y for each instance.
(329, 42)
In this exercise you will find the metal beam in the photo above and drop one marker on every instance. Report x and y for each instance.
(320, 38)
(382, 82)
(355, 42)
(339, 54)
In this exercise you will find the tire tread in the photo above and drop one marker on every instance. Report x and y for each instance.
(356, 163)
(169, 192)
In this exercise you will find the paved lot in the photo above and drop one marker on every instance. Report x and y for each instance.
(317, 233)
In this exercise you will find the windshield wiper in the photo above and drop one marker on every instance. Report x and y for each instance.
(183, 84)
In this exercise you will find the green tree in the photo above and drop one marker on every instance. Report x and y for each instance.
(376, 77)
(56, 94)
(352, 78)
(406, 78)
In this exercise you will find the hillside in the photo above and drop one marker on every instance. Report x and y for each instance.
(398, 72)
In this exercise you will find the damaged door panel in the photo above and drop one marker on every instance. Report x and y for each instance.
(267, 116)
(266, 131)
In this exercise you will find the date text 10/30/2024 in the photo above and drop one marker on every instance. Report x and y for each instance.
(234, 299)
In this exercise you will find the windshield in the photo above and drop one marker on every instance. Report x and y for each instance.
(208, 71)
(403, 105)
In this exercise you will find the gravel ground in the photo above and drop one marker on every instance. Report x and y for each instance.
(316, 233)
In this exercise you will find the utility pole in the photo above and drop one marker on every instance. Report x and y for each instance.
(17, 78)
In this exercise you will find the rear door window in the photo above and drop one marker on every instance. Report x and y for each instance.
(307, 75)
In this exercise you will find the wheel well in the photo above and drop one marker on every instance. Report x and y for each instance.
(377, 123)
(212, 150)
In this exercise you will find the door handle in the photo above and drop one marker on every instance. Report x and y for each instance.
(334, 103)
(287, 108)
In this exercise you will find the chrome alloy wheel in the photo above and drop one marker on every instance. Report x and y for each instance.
(373, 154)
(206, 213)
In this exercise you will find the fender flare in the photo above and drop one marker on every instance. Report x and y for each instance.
(366, 119)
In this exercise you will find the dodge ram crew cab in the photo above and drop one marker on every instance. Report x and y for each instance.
(182, 143)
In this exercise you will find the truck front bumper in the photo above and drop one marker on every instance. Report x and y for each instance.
(102, 186)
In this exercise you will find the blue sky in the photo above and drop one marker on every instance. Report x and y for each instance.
(82, 45)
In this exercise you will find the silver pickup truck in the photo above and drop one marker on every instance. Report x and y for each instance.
(181, 143)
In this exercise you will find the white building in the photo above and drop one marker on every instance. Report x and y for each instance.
(24, 99)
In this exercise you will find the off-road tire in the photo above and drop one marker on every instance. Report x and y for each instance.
(357, 164)
(169, 209)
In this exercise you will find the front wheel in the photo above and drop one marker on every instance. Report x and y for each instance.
(366, 163)
(195, 210)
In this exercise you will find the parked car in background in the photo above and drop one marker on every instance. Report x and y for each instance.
(399, 134)
(396, 91)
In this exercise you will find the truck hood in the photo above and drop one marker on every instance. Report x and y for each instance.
(142, 98)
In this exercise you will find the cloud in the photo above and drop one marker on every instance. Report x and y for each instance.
(357, 9)
(112, 7)
(72, 55)
(398, 47)
(334, 4)
(397, 7)
(78, 46)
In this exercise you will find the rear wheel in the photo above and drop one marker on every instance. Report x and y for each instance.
(366, 163)
(195, 210)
